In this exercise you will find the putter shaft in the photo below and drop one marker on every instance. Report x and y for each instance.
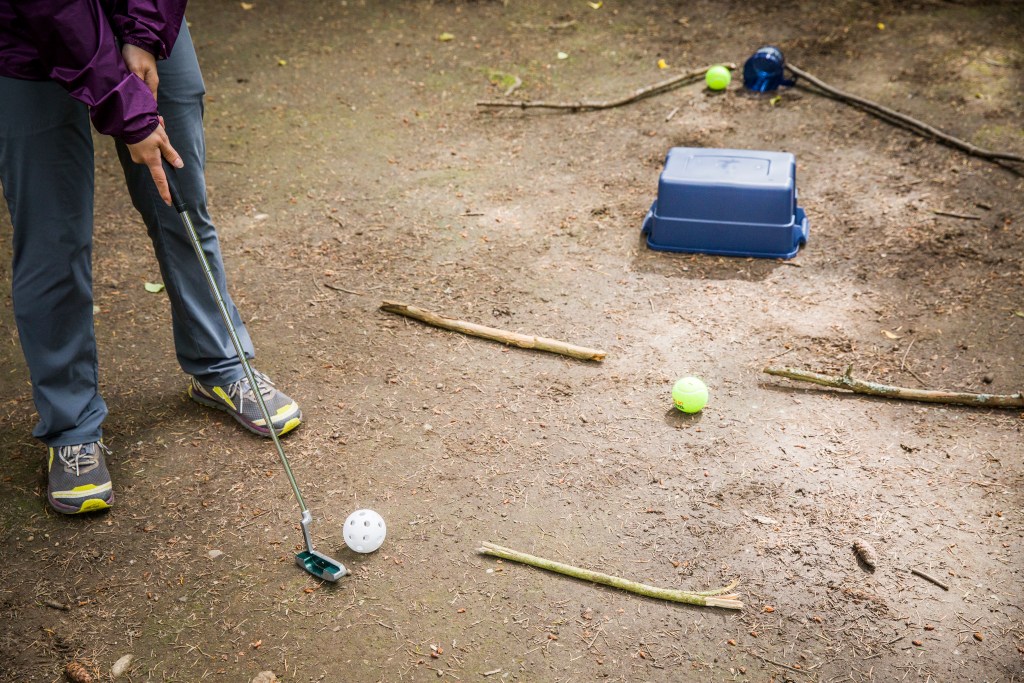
(312, 561)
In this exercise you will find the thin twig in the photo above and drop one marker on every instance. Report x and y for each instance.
(894, 116)
(772, 661)
(847, 381)
(926, 577)
(336, 288)
(591, 105)
(964, 216)
(706, 599)
(494, 334)
(904, 359)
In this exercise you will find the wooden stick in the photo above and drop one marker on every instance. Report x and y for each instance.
(964, 216)
(493, 333)
(772, 661)
(591, 105)
(926, 577)
(894, 116)
(847, 381)
(707, 599)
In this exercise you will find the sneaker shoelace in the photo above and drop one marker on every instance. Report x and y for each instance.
(240, 391)
(81, 458)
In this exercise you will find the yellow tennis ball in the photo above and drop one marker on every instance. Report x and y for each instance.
(690, 395)
(718, 77)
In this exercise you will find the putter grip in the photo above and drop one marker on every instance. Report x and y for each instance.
(172, 183)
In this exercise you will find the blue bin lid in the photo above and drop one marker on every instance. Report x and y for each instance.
(734, 185)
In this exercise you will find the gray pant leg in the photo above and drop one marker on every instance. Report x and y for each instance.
(202, 343)
(46, 166)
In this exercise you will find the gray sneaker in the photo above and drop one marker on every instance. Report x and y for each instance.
(78, 480)
(238, 400)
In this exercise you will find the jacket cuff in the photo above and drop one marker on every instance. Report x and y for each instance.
(140, 135)
(127, 112)
(153, 47)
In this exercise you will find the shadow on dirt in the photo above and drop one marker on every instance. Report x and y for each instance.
(701, 266)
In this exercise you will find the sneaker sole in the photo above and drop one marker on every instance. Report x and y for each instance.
(90, 505)
(288, 426)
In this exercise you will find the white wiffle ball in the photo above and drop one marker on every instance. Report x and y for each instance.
(364, 531)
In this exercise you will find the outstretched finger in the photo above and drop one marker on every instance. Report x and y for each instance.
(160, 180)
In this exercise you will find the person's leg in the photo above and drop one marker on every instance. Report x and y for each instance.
(203, 346)
(201, 340)
(46, 167)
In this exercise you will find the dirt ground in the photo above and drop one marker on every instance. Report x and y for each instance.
(349, 164)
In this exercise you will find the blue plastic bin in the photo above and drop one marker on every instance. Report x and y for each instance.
(730, 202)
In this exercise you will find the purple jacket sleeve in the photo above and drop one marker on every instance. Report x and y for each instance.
(152, 25)
(77, 45)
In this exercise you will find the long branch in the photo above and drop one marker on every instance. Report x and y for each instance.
(705, 599)
(590, 105)
(494, 334)
(847, 381)
(894, 116)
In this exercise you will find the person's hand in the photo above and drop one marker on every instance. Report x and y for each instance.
(142, 64)
(150, 152)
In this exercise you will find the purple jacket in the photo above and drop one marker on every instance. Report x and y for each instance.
(75, 43)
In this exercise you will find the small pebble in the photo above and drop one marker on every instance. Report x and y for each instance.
(214, 554)
(978, 636)
(121, 666)
(265, 677)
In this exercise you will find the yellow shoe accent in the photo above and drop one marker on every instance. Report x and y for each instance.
(289, 426)
(224, 397)
(284, 410)
(92, 505)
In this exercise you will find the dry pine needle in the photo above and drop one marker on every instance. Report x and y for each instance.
(865, 552)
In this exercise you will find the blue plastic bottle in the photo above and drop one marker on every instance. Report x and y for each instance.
(764, 70)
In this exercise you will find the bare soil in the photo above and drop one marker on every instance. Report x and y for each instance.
(349, 164)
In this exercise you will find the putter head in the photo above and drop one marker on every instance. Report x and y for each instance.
(320, 566)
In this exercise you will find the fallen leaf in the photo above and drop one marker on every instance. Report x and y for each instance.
(881, 26)
(247, 5)
(596, 5)
(563, 55)
(154, 287)
(282, 62)
(662, 64)
(446, 37)
(890, 335)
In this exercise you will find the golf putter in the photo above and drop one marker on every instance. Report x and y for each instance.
(314, 562)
